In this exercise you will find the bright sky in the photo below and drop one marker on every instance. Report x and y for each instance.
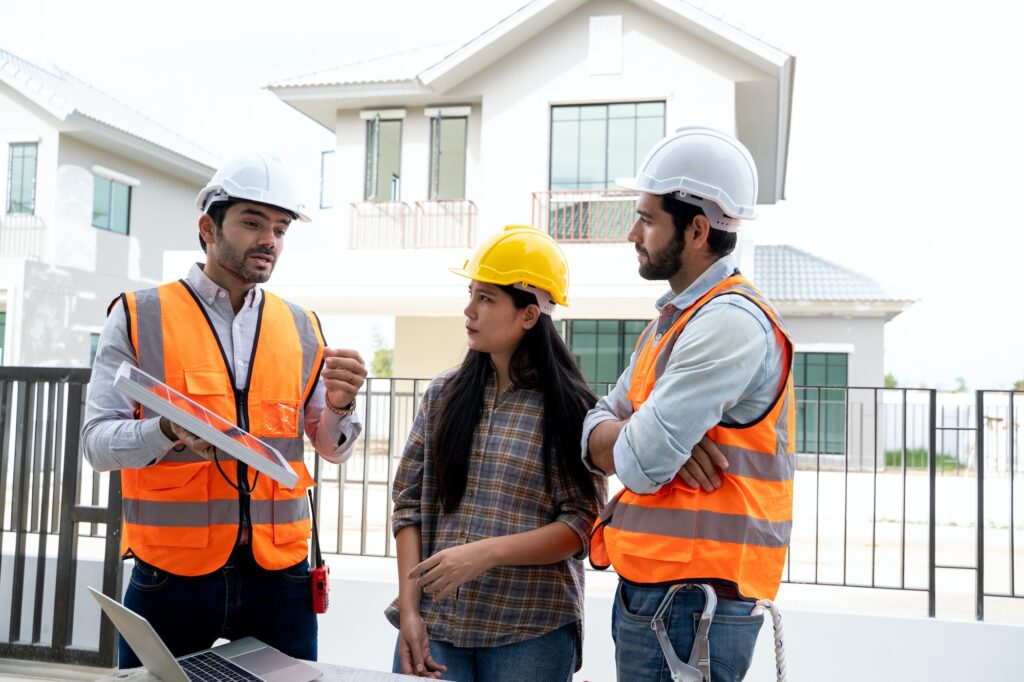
(905, 160)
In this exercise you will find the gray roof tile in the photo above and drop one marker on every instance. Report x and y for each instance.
(785, 273)
(62, 94)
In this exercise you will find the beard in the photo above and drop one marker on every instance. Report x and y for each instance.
(234, 261)
(663, 263)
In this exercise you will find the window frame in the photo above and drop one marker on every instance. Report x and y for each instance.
(820, 397)
(434, 179)
(110, 206)
(608, 182)
(11, 146)
(373, 136)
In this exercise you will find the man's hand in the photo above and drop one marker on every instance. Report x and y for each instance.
(187, 438)
(414, 647)
(344, 373)
(701, 470)
(442, 574)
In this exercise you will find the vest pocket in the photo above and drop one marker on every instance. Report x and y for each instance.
(173, 508)
(204, 382)
(280, 419)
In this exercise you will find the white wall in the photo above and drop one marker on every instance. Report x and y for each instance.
(23, 121)
(694, 78)
(163, 216)
(426, 346)
(861, 337)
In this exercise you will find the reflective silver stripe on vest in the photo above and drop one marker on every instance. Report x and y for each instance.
(190, 514)
(201, 514)
(758, 465)
(175, 457)
(309, 340)
(279, 511)
(291, 449)
(705, 525)
(782, 427)
(151, 332)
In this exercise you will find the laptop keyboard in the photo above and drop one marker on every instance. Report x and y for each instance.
(211, 667)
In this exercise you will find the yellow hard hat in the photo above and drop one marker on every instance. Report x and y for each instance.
(521, 255)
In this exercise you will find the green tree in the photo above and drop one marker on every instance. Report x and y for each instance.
(1018, 385)
(383, 357)
(961, 385)
(890, 380)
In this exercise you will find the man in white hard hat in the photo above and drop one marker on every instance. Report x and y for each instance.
(220, 550)
(702, 519)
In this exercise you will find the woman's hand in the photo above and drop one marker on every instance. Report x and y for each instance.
(414, 647)
(442, 574)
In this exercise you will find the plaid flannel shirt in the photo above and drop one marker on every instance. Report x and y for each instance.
(506, 493)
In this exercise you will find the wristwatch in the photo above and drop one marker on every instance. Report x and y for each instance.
(341, 411)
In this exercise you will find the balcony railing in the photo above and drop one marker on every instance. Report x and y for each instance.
(21, 235)
(918, 491)
(394, 225)
(585, 215)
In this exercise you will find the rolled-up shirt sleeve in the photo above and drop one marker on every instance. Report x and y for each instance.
(578, 512)
(112, 438)
(615, 405)
(333, 436)
(714, 362)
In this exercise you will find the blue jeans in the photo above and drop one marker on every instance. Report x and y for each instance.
(242, 599)
(638, 656)
(548, 658)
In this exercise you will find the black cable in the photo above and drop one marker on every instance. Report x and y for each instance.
(239, 488)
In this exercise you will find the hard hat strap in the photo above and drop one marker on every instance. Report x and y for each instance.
(544, 300)
(714, 213)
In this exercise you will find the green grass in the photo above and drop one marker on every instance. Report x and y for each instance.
(917, 458)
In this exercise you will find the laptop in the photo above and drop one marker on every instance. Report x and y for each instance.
(245, 660)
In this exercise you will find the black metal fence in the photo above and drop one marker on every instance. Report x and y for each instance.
(50, 509)
(905, 486)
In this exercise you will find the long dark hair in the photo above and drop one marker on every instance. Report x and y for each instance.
(542, 361)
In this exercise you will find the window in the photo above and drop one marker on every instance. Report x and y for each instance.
(21, 177)
(593, 144)
(3, 325)
(383, 159)
(817, 404)
(327, 179)
(448, 157)
(94, 341)
(111, 204)
(602, 347)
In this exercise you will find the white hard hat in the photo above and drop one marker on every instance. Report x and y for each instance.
(254, 177)
(704, 167)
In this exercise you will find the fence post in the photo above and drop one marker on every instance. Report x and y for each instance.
(932, 412)
(979, 469)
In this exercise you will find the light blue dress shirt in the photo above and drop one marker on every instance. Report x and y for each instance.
(726, 366)
(112, 437)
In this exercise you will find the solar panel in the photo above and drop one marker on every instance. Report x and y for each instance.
(157, 396)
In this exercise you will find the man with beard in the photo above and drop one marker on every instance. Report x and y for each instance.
(702, 518)
(219, 550)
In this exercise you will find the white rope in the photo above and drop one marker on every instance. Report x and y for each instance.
(780, 653)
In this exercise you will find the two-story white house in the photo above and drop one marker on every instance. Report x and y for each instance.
(93, 193)
(530, 122)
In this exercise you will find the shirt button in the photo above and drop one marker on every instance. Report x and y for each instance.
(657, 337)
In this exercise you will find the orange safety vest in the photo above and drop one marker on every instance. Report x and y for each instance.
(740, 532)
(180, 514)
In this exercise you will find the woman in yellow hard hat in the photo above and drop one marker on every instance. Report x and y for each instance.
(493, 505)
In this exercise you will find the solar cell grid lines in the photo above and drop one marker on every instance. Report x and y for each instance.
(162, 399)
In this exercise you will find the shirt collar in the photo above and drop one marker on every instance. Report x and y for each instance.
(721, 269)
(207, 289)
